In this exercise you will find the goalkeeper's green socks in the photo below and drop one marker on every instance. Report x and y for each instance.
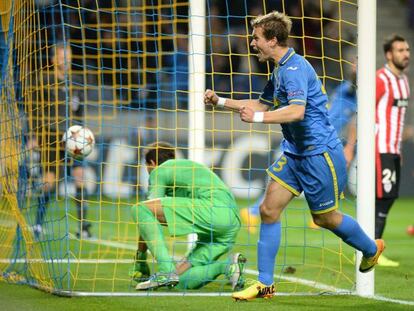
(199, 276)
(151, 232)
(140, 256)
(140, 272)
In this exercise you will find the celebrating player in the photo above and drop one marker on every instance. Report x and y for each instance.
(312, 159)
(341, 115)
(188, 198)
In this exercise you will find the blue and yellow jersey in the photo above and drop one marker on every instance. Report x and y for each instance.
(294, 81)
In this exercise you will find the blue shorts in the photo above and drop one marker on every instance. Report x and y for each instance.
(321, 177)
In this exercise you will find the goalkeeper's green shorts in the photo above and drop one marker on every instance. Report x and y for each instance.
(216, 223)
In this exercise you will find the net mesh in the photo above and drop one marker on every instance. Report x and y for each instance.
(121, 69)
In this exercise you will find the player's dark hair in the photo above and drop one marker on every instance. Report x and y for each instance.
(389, 41)
(275, 25)
(159, 152)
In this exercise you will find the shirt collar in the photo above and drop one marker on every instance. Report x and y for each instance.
(389, 69)
(287, 56)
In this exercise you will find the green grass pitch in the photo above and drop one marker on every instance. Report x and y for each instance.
(301, 248)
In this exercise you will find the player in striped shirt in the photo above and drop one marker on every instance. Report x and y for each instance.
(392, 94)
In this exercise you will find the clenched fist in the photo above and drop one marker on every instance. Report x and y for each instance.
(210, 97)
(246, 114)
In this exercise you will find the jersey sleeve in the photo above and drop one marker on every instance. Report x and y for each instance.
(296, 85)
(380, 88)
(266, 97)
(159, 179)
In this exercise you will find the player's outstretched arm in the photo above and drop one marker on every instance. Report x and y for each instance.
(211, 98)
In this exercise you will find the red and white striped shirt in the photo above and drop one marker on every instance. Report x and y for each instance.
(392, 97)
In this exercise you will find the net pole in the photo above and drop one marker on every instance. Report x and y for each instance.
(196, 80)
(196, 87)
(367, 18)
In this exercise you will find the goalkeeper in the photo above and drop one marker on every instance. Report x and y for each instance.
(188, 198)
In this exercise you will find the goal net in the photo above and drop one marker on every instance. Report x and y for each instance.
(130, 71)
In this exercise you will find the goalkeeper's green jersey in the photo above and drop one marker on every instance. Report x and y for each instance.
(188, 179)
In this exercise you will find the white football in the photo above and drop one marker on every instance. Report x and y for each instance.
(79, 141)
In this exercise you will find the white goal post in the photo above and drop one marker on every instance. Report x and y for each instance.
(367, 23)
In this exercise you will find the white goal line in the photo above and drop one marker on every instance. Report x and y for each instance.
(326, 288)
(323, 287)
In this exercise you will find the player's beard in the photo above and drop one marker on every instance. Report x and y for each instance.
(401, 65)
